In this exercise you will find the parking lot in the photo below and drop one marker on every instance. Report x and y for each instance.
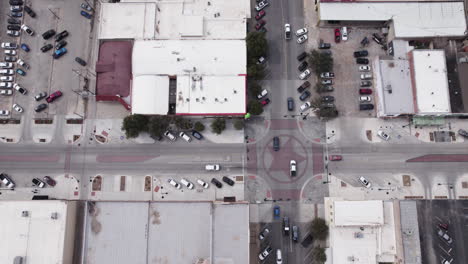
(453, 214)
(347, 76)
(45, 73)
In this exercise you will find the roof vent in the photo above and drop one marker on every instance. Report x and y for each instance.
(54, 216)
(203, 98)
(188, 99)
(216, 99)
(235, 91)
(225, 99)
(25, 213)
(197, 100)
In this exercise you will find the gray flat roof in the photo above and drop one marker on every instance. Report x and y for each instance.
(410, 232)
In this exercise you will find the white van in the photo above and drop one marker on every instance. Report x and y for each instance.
(344, 33)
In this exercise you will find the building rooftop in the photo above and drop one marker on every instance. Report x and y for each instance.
(430, 80)
(358, 213)
(410, 232)
(36, 235)
(410, 19)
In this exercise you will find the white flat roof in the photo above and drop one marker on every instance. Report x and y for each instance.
(38, 238)
(410, 19)
(210, 76)
(127, 21)
(358, 213)
(430, 77)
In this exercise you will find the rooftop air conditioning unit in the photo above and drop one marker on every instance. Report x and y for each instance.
(25, 213)
(54, 215)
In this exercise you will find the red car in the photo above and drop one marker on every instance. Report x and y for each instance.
(265, 102)
(337, 35)
(260, 15)
(260, 24)
(335, 157)
(53, 96)
(365, 91)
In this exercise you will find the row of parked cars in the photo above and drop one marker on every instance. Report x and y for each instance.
(173, 137)
(200, 182)
(8, 182)
(365, 77)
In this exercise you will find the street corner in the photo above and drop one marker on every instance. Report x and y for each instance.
(256, 129)
(442, 188)
(10, 131)
(43, 131)
(461, 186)
(257, 189)
(314, 189)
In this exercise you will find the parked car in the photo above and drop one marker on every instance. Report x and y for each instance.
(6, 65)
(16, 8)
(292, 168)
(365, 91)
(301, 32)
(364, 107)
(29, 11)
(10, 59)
(9, 45)
(185, 136)
(86, 14)
(27, 30)
(203, 184)
(364, 68)
(20, 89)
(53, 96)
(61, 35)
(276, 212)
(187, 184)
(260, 14)
(286, 226)
(302, 56)
(364, 182)
(14, 27)
(7, 72)
(303, 66)
(366, 83)
(80, 61)
(265, 102)
(16, 2)
(16, 14)
(40, 96)
(304, 95)
(40, 108)
(305, 106)
(264, 233)
(46, 47)
(304, 74)
(7, 85)
(383, 135)
(197, 135)
(337, 35)
(290, 102)
(361, 53)
(25, 47)
(170, 136)
(327, 99)
(4, 112)
(264, 254)
(23, 64)
(444, 236)
(335, 157)
(443, 226)
(327, 75)
(324, 45)
(303, 86)
(13, 21)
(21, 72)
(363, 99)
(362, 61)
(212, 167)
(59, 53)
(38, 183)
(307, 241)
(18, 108)
(287, 31)
(50, 181)
(217, 183)
(10, 52)
(463, 132)
(262, 94)
(13, 33)
(366, 76)
(326, 82)
(6, 78)
(276, 143)
(86, 7)
(260, 24)
(301, 39)
(7, 181)
(60, 44)
(261, 5)
(174, 183)
(378, 39)
(344, 34)
(228, 180)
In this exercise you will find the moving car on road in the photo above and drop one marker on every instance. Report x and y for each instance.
(276, 212)
(335, 157)
(287, 31)
(261, 5)
(292, 168)
(212, 167)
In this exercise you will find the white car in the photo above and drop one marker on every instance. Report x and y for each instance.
(365, 99)
(212, 167)
(301, 32)
(383, 135)
(10, 52)
(174, 183)
(262, 94)
(4, 112)
(170, 136)
(9, 45)
(203, 184)
(7, 72)
(261, 5)
(364, 182)
(187, 184)
(261, 60)
(6, 78)
(7, 85)
(305, 106)
(6, 92)
(344, 33)
(364, 68)
(304, 74)
(292, 168)
(22, 63)
(287, 31)
(18, 108)
(265, 253)
(7, 181)
(185, 137)
(366, 76)
(27, 30)
(302, 39)
(6, 65)
(279, 258)
(13, 33)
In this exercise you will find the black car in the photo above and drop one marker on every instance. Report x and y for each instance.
(290, 104)
(197, 135)
(463, 133)
(362, 61)
(28, 10)
(304, 95)
(38, 183)
(16, 14)
(276, 144)
(303, 66)
(302, 56)
(61, 35)
(304, 86)
(46, 47)
(228, 181)
(366, 83)
(324, 46)
(10, 59)
(13, 27)
(295, 233)
(16, 2)
(80, 61)
(40, 96)
(40, 107)
(48, 34)
(13, 21)
(50, 181)
(216, 183)
(328, 99)
(360, 53)
(307, 241)
(60, 44)
(366, 107)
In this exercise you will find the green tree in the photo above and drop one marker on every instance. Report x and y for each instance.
(256, 71)
(316, 102)
(199, 126)
(157, 125)
(257, 46)
(255, 107)
(254, 88)
(318, 254)
(319, 88)
(319, 229)
(134, 124)
(239, 124)
(218, 125)
(321, 62)
(327, 112)
(182, 123)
